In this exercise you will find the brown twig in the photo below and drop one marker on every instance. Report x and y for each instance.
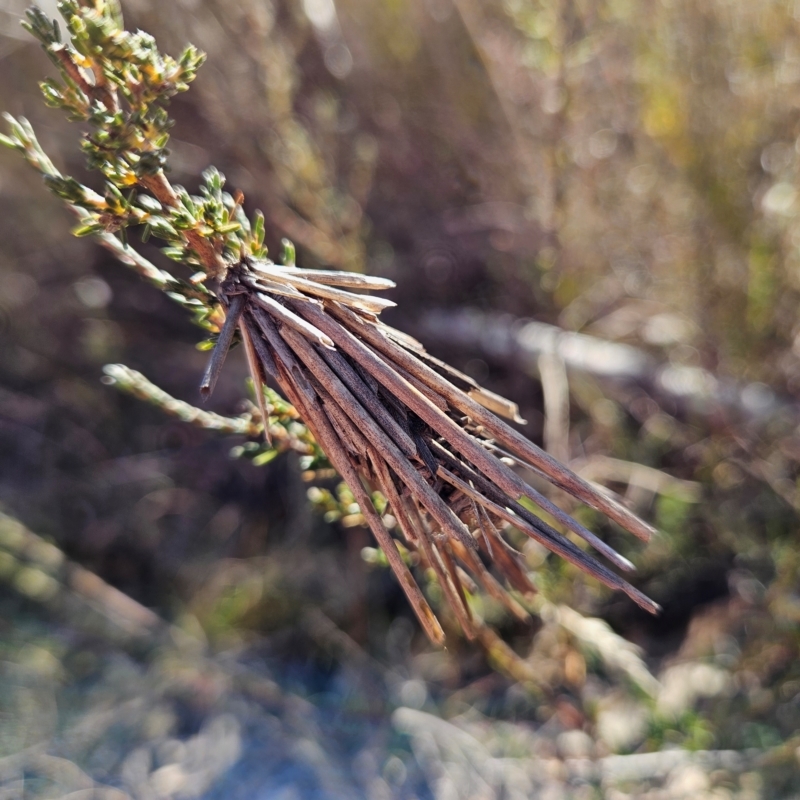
(222, 346)
(158, 185)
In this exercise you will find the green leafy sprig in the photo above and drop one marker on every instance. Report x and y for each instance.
(119, 83)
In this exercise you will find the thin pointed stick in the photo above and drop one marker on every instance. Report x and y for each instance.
(283, 355)
(540, 531)
(486, 540)
(265, 358)
(360, 301)
(506, 557)
(341, 423)
(531, 525)
(263, 285)
(402, 338)
(489, 583)
(256, 374)
(497, 404)
(448, 579)
(424, 390)
(232, 315)
(561, 516)
(494, 402)
(447, 557)
(333, 277)
(290, 318)
(370, 401)
(560, 475)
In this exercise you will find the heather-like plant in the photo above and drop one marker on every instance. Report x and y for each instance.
(420, 446)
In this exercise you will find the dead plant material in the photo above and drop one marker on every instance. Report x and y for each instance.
(391, 421)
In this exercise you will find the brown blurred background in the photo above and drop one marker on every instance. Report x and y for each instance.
(592, 200)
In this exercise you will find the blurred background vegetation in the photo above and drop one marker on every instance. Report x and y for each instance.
(175, 622)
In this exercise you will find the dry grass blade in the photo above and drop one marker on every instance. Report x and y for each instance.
(389, 422)
(332, 277)
(222, 346)
(289, 318)
(257, 363)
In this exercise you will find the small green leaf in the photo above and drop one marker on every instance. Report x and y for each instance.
(288, 258)
(53, 93)
(214, 179)
(264, 458)
(87, 230)
(8, 141)
(229, 227)
(149, 204)
(258, 228)
(174, 253)
(162, 228)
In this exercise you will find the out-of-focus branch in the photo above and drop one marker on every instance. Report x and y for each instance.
(555, 387)
(40, 571)
(602, 470)
(503, 338)
(133, 382)
(285, 429)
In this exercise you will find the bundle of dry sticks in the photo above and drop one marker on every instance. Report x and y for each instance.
(389, 416)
